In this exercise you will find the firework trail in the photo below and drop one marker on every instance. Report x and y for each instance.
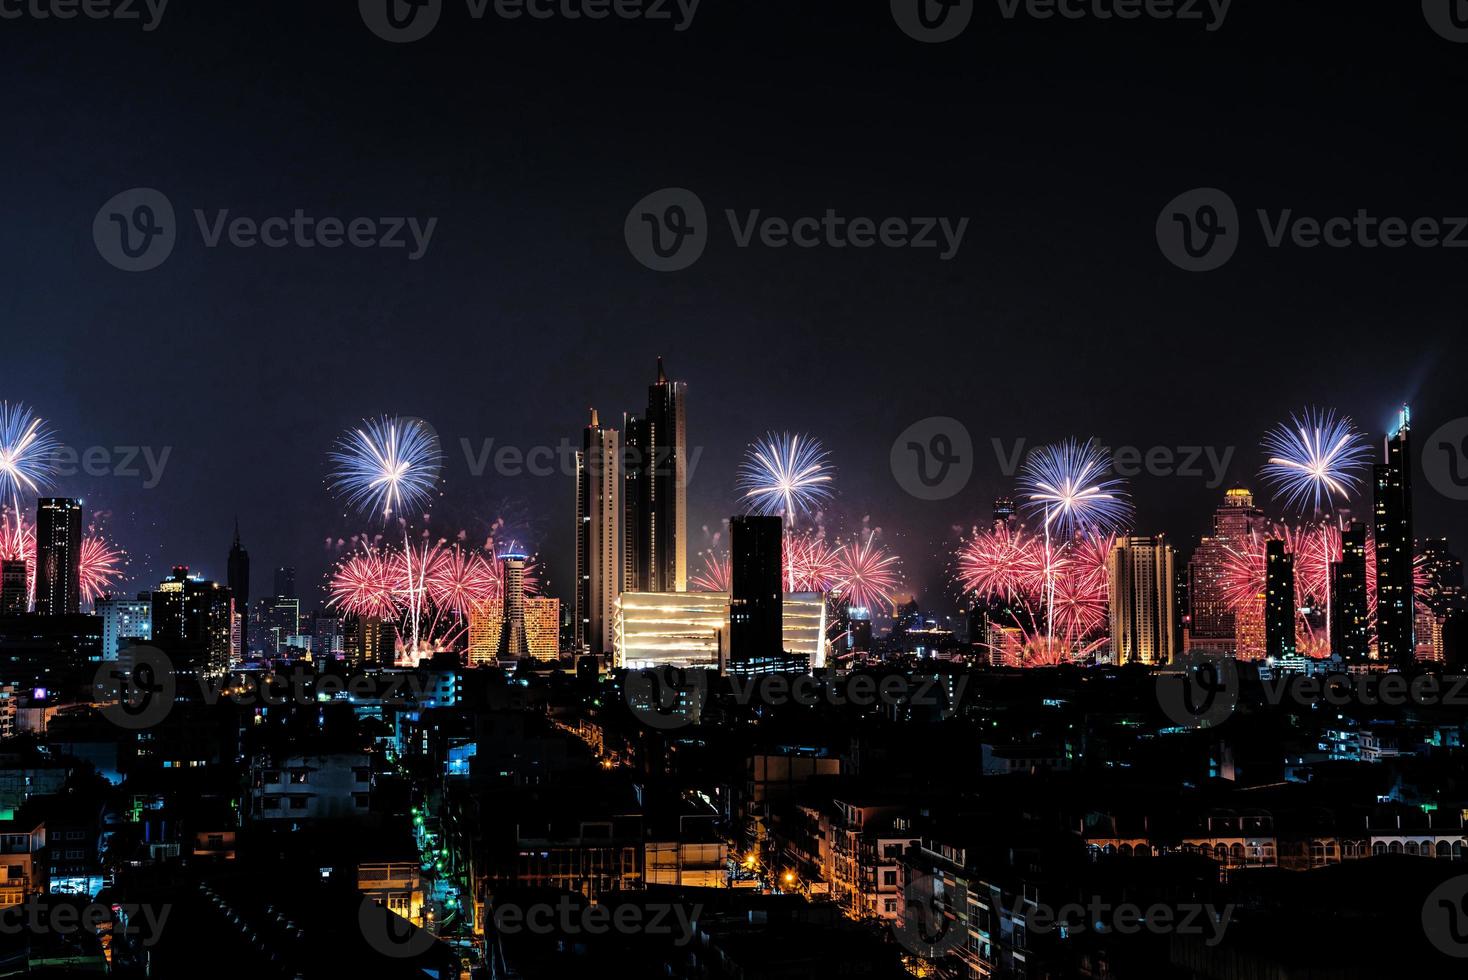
(1313, 459)
(27, 453)
(386, 466)
(866, 574)
(715, 574)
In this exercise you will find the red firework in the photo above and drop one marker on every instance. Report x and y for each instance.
(1083, 588)
(715, 574)
(1001, 564)
(459, 580)
(365, 585)
(99, 568)
(810, 564)
(866, 574)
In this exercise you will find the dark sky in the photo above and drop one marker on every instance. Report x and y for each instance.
(529, 141)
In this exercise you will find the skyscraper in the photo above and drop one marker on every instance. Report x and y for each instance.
(655, 494)
(197, 613)
(1279, 600)
(756, 610)
(14, 588)
(1143, 600)
(122, 620)
(1349, 630)
(239, 572)
(1213, 625)
(1393, 513)
(58, 556)
(598, 537)
(285, 582)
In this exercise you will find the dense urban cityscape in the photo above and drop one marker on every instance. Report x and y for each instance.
(706, 490)
(1129, 757)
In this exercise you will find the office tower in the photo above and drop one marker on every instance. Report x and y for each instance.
(192, 611)
(14, 588)
(58, 556)
(1349, 623)
(282, 621)
(513, 642)
(1393, 512)
(598, 537)
(369, 641)
(1440, 601)
(859, 639)
(1279, 600)
(326, 632)
(285, 582)
(655, 491)
(1212, 624)
(755, 602)
(239, 571)
(516, 625)
(1143, 600)
(1005, 513)
(124, 620)
(691, 629)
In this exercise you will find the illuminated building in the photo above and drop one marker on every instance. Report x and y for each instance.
(1143, 600)
(690, 629)
(14, 598)
(655, 491)
(189, 609)
(519, 626)
(124, 619)
(1006, 516)
(1212, 624)
(1349, 627)
(370, 641)
(756, 549)
(58, 556)
(598, 537)
(1395, 618)
(859, 638)
(1279, 601)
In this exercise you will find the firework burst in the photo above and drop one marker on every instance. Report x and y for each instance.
(811, 565)
(1071, 485)
(386, 466)
(1000, 563)
(785, 474)
(27, 453)
(866, 574)
(1315, 459)
(714, 577)
(99, 569)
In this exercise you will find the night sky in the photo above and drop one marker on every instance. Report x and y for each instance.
(529, 141)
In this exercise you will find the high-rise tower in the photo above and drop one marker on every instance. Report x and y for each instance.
(1393, 513)
(238, 571)
(756, 600)
(599, 566)
(58, 556)
(1349, 629)
(1213, 623)
(1279, 600)
(655, 494)
(1143, 600)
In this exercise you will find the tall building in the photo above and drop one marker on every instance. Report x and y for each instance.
(1349, 616)
(58, 556)
(14, 587)
(1006, 515)
(285, 582)
(1212, 623)
(598, 537)
(691, 629)
(192, 611)
(515, 626)
(655, 492)
(1393, 512)
(1143, 600)
(1279, 600)
(756, 616)
(239, 571)
(124, 620)
(369, 641)
(1441, 603)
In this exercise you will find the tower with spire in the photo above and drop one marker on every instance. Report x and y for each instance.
(655, 491)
